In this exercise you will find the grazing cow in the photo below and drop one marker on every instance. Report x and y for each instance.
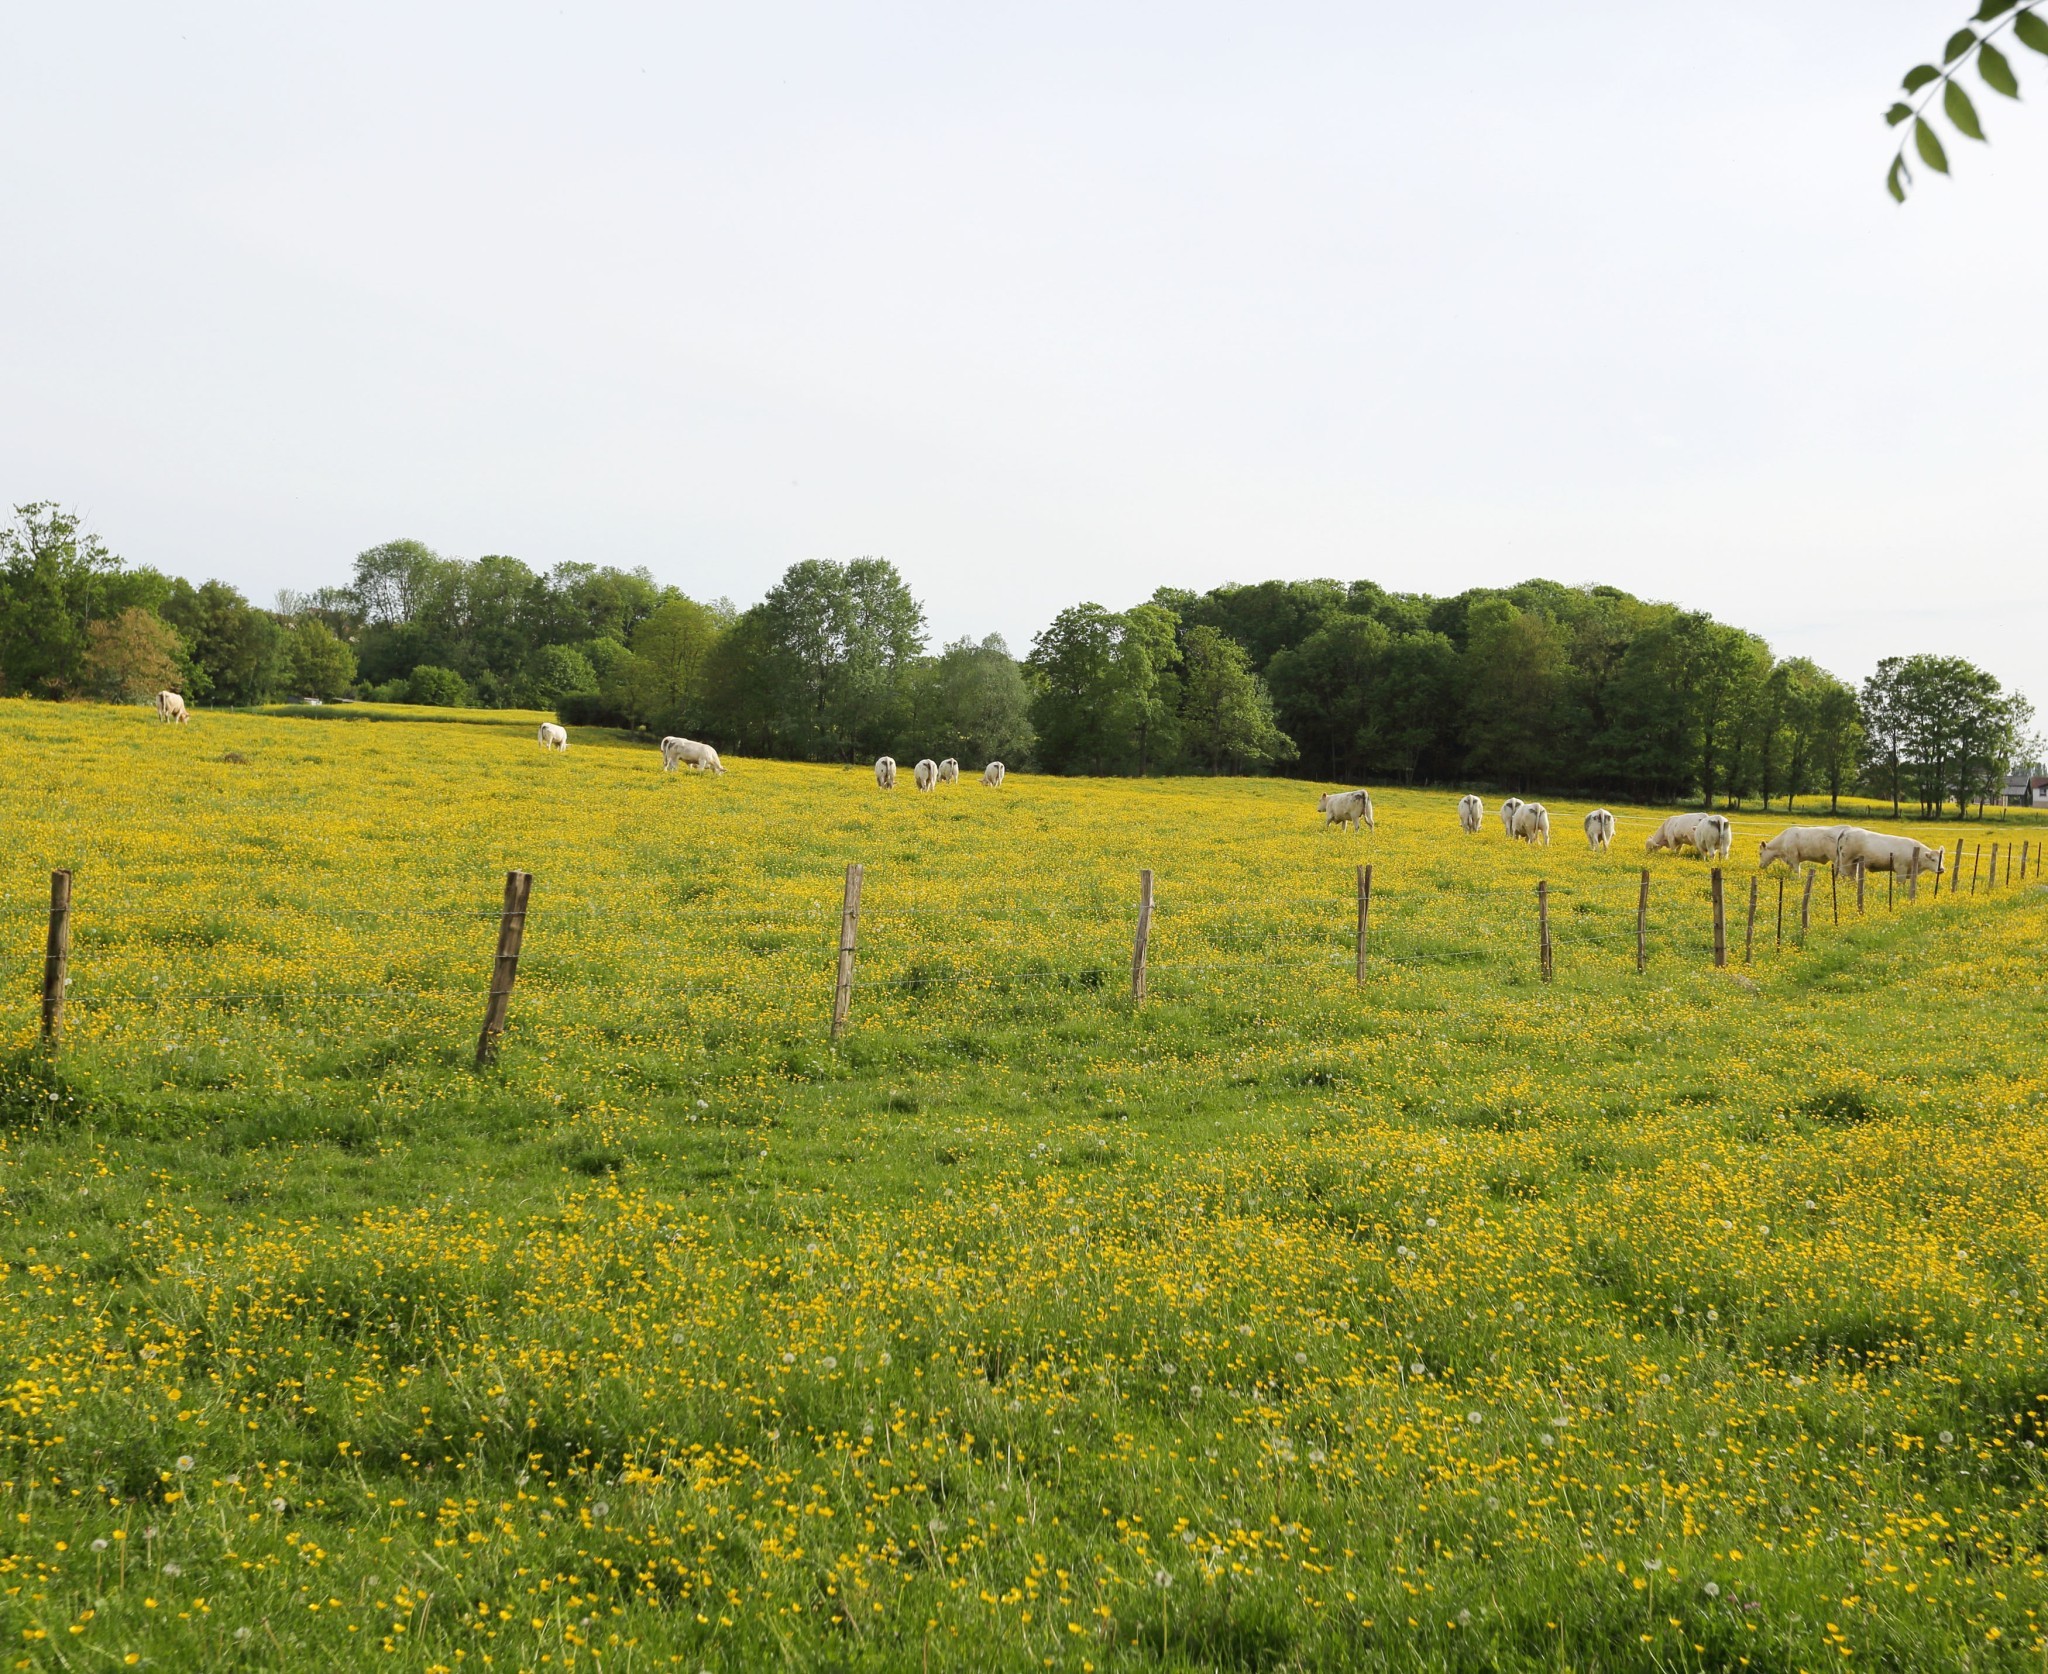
(1532, 823)
(1874, 852)
(992, 775)
(1508, 810)
(553, 737)
(949, 772)
(1714, 836)
(1351, 808)
(171, 707)
(1680, 831)
(700, 757)
(885, 772)
(1470, 812)
(1800, 845)
(925, 774)
(1599, 830)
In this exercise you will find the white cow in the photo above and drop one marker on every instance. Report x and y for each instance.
(1800, 845)
(992, 775)
(700, 757)
(1470, 812)
(1714, 836)
(885, 772)
(1532, 823)
(949, 772)
(1874, 852)
(553, 737)
(171, 707)
(925, 774)
(1508, 810)
(1351, 808)
(1682, 831)
(1599, 830)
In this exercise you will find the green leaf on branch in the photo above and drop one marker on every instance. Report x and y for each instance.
(2031, 30)
(1994, 8)
(1958, 44)
(1897, 114)
(1928, 144)
(1997, 71)
(1894, 182)
(1960, 111)
(1920, 75)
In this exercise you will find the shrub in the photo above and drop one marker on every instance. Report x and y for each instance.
(441, 687)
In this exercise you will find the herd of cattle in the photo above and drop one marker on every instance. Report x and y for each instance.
(1849, 849)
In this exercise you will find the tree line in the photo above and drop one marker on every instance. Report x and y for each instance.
(1537, 686)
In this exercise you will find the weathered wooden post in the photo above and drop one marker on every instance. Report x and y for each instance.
(57, 957)
(1991, 878)
(1976, 860)
(1643, 923)
(849, 939)
(1859, 888)
(1364, 915)
(1779, 944)
(1913, 878)
(1749, 931)
(1720, 923)
(505, 968)
(1543, 928)
(1806, 906)
(1144, 936)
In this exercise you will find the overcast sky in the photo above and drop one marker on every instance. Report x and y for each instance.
(1043, 303)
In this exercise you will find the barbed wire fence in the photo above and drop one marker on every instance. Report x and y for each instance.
(1395, 924)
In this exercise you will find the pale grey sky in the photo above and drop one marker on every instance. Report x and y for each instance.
(1042, 303)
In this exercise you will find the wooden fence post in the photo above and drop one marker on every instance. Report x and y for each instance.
(1643, 923)
(1364, 914)
(1956, 881)
(1144, 936)
(1913, 878)
(1806, 906)
(849, 937)
(1720, 922)
(57, 956)
(1749, 932)
(1991, 878)
(505, 968)
(1976, 860)
(1543, 928)
(1779, 944)
(2024, 848)
(1859, 888)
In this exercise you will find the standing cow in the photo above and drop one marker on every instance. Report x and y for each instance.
(1352, 808)
(1871, 851)
(553, 737)
(949, 772)
(171, 707)
(1714, 836)
(992, 775)
(1532, 824)
(885, 772)
(700, 757)
(1471, 811)
(925, 774)
(1599, 830)
(1508, 810)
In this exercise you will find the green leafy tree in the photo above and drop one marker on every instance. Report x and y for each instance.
(1226, 713)
(1073, 672)
(237, 654)
(131, 657)
(972, 701)
(553, 672)
(669, 672)
(827, 662)
(1145, 697)
(1926, 85)
(54, 577)
(322, 665)
(1514, 667)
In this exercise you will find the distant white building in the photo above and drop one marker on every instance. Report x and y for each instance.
(2026, 787)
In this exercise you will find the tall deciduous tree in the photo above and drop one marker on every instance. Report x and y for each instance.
(54, 576)
(131, 657)
(668, 676)
(1226, 712)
